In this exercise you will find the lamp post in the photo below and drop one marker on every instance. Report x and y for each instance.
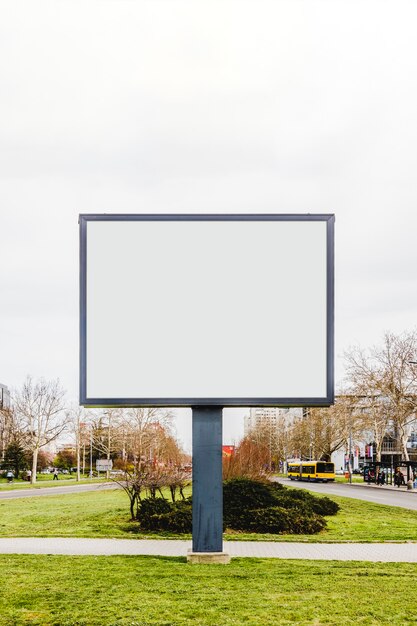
(91, 452)
(350, 452)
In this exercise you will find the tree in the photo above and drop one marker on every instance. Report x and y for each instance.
(107, 434)
(15, 457)
(142, 428)
(386, 380)
(333, 426)
(77, 419)
(9, 430)
(65, 459)
(39, 408)
(251, 457)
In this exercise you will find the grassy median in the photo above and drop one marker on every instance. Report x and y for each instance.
(105, 513)
(156, 591)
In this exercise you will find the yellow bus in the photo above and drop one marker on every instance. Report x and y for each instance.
(311, 470)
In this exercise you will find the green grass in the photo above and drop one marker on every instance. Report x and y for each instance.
(157, 591)
(355, 479)
(106, 514)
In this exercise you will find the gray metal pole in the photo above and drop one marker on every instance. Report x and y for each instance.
(207, 480)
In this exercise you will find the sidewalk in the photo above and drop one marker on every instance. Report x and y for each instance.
(383, 552)
(402, 489)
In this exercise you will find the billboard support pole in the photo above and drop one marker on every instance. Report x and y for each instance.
(207, 486)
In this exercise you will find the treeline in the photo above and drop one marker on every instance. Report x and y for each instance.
(39, 416)
(377, 403)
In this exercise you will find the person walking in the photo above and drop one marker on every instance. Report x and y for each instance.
(55, 474)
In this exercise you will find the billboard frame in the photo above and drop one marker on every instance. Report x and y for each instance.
(327, 400)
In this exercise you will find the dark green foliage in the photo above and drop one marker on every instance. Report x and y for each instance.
(150, 511)
(248, 505)
(15, 458)
(306, 524)
(159, 514)
(277, 519)
(179, 520)
(241, 496)
(267, 507)
(299, 498)
(249, 494)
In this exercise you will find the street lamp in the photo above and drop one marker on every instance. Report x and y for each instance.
(91, 452)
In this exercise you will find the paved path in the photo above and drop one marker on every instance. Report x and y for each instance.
(53, 491)
(385, 552)
(360, 491)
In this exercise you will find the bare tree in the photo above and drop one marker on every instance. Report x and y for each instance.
(143, 427)
(107, 433)
(251, 458)
(39, 408)
(77, 418)
(387, 379)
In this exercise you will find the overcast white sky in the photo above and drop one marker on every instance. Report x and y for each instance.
(203, 106)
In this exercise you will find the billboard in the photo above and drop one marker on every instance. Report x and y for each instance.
(206, 310)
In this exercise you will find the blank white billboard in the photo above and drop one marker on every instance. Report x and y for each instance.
(192, 310)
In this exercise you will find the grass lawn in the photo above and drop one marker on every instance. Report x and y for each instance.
(106, 514)
(156, 591)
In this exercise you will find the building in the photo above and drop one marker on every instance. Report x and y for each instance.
(5, 419)
(270, 416)
(4, 397)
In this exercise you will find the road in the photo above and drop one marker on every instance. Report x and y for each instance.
(54, 491)
(358, 491)
(369, 493)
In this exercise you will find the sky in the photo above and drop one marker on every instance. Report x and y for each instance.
(201, 106)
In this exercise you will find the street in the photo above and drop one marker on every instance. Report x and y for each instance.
(370, 493)
(54, 491)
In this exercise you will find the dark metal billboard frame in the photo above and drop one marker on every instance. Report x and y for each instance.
(218, 402)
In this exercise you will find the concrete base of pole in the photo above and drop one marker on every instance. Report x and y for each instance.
(206, 558)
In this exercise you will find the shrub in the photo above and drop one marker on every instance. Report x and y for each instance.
(258, 506)
(276, 519)
(179, 519)
(150, 511)
(299, 498)
(159, 514)
(301, 524)
(249, 505)
(252, 494)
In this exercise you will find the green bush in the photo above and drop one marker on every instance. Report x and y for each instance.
(248, 505)
(150, 511)
(179, 519)
(299, 498)
(159, 514)
(276, 519)
(267, 507)
(310, 524)
(252, 494)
